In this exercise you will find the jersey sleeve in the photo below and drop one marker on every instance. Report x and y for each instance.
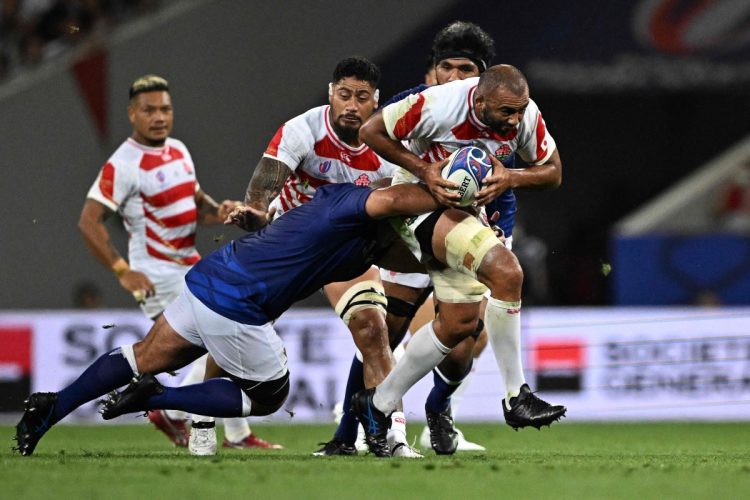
(410, 117)
(347, 204)
(112, 186)
(535, 143)
(291, 143)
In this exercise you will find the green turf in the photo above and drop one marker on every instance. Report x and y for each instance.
(567, 461)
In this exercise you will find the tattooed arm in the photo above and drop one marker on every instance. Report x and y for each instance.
(268, 179)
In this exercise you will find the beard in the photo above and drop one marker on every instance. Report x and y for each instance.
(346, 133)
(497, 126)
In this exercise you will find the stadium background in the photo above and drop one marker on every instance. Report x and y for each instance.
(637, 95)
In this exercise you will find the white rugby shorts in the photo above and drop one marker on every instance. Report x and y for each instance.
(249, 352)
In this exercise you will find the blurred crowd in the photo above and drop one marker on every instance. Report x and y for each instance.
(32, 31)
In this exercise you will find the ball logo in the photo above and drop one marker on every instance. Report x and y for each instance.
(325, 166)
(160, 176)
(690, 27)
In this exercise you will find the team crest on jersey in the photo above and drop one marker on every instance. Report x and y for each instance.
(325, 167)
(362, 180)
(503, 152)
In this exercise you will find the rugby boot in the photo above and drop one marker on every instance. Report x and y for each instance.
(527, 409)
(251, 441)
(133, 398)
(374, 422)
(35, 421)
(335, 447)
(175, 429)
(443, 437)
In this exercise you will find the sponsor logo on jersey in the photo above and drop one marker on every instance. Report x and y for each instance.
(362, 180)
(503, 152)
(325, 167)
(346, 158)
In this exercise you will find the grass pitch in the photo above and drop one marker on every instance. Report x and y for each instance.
(567, 461)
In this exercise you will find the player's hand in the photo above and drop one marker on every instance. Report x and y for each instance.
(138, 284)
(226, 207)
(247, 218)
(495, 184)
(492, 223)
(439, 187)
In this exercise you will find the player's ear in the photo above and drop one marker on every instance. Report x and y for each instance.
(330, 92)
(131, 113)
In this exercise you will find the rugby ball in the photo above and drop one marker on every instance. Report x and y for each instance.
(467, 167)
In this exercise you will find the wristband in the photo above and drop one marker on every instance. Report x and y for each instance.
(120, 267)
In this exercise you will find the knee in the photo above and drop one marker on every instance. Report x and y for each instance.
(457, 328)
(502, 271)
(265, 397)
(259, 409)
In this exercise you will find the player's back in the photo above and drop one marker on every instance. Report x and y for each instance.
(256, 278)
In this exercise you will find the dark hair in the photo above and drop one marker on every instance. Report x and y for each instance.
(148, 83)
(464, 39)
(358, 67)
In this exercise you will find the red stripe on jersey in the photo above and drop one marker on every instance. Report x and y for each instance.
(541, 143)
(466, 131)
(171, 195)
(152, 161)
(273, 146)
(285, 195)
(186, 261)
(188, 217)
(406, 123)
(364, 160)
(107, 182)
(175, 243)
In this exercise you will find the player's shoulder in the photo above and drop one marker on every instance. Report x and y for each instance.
(176, 143)
(312, 118)
(451, 95)
(311, 123)
(128, 154)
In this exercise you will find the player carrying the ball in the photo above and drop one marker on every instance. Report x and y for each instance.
(464, 257)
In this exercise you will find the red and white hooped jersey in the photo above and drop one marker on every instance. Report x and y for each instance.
(441, 119)
(153, 189)
(308, 145)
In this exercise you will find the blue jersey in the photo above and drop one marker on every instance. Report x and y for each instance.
(254, 279)
(506, 202)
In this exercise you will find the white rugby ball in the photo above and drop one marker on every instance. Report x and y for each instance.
(467, 167)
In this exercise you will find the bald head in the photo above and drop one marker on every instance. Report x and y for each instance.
(503, 76)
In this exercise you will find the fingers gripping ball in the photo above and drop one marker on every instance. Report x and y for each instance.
(467, 167)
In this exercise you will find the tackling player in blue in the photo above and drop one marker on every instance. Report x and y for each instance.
(227, 307)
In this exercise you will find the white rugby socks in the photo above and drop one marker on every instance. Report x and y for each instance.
(503, 323)
(236, 429)
(423, 354)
